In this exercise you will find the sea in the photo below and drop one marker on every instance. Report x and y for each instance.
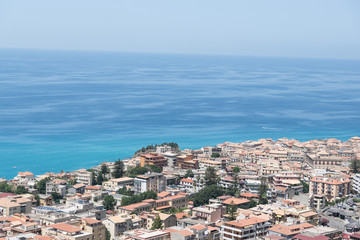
(66, 110)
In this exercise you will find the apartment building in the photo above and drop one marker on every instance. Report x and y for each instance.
(122, 223)
(251, 228)
(356, 183)
(154, 181)
(83, 176)
(153, 159)
(211, 212)
(331, 185)
(115, 184)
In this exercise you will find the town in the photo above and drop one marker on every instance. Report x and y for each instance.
(265, 189)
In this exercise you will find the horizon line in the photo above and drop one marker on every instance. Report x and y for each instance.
(177, 53)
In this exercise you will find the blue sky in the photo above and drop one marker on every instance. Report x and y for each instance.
(303, 28)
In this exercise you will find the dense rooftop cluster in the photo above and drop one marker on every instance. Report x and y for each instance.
(265, 189)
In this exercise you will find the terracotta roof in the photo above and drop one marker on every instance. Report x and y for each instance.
(304, 237)
(25, 174)
(187, 180)
(198, 227)
(290, 230)
(163, 194)
(246, 222)
(181, 215)
(91, 220)
(78, 185)
(65, 227)
(93, 187)
(249, 195)
(235, 201)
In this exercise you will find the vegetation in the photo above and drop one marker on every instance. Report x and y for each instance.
(37, 198)
(107, 234)
(56, 197)
(21, 190)
(109, 202)
(173, 210)
(263, 191)
(118, 169)
(71, 182)
(151, 148)
(138, 198)
(232, 209)
(305, 187)
(202, 197)
(189, 174)
(215, 155)
(125, 191)
(4, 187)
(142, 170)
(354, 166)
(157, 224)
(210, 176)
(41, 185)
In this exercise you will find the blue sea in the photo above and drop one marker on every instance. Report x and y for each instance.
(65, 110)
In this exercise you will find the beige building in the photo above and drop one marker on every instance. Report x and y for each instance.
(66, 231)
(167, 220)
(15, 204)
(330, 186)
(252, 228)
(117, 183)
(83, 176)
(122, 223)
(153, 159)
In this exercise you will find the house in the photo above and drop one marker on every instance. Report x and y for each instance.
(288, 231)
(210, 212)
(66, 231)
(56, 186)
(238, 202)
(77, 188)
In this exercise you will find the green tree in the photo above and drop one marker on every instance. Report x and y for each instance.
(107, 234)
(37, 198)
(104, 170)
(154, 168)
(305, 187)
(56, 197)
(5, 187)
(100, 178)
(252, 204)
(118, 169)
(215, 155)
(263, 191)
(21, 190)
(202, 197)
(189, 174)
(354, 166)
(109, 202)
(210, 176)
(157, 224)
(71, 182)
(232, 209)
(41, 185)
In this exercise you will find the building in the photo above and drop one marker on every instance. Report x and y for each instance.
(121, 223)
(136, 207)
(251, 228)
(211, 212)
(151, 235)
(83, 176)
(331, 185)
(154, 181)
(66, 231)
(56, 186)
(153, 159)
(23, 178)
(288, 231)
(167, 220)
(115, 184)
(356, 183)
(15, 204)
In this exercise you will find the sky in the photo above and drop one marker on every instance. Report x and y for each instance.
(298, 28)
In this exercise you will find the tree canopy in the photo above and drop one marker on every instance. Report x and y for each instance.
(138, 198)
(202, 197)
(157, 224)
(118, 169)
(189, 174)
(210, 176)
(109, 202)
(41, 185)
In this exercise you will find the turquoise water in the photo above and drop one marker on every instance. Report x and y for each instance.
(62, 110)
